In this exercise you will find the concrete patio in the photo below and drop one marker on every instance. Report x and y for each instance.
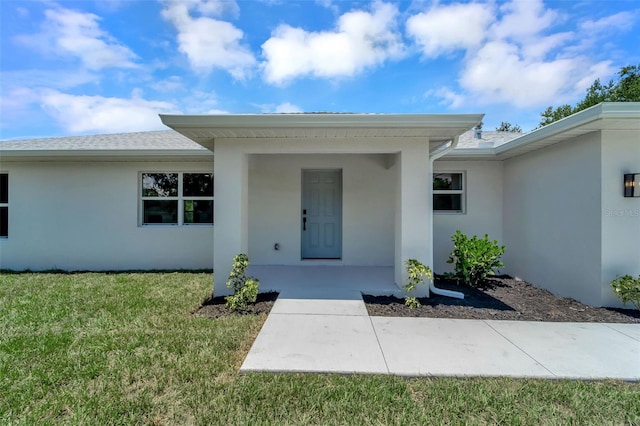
(320, 324)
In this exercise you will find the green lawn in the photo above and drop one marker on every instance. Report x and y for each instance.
(96, 348)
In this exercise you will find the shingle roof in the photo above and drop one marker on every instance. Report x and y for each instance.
(172, 140)
(490, 139)
(157, 140)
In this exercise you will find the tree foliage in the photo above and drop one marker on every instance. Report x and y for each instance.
(508, 127)
(625, 88)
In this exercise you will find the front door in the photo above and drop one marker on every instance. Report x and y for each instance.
(322, 214)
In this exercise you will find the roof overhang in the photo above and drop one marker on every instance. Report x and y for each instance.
(604, 116)
(105, 155)
(436, 128)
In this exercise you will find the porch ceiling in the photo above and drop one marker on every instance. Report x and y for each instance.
(437, 128)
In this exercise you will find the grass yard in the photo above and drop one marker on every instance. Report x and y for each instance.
(123, 348)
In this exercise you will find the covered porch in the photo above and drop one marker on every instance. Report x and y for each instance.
(380, 197)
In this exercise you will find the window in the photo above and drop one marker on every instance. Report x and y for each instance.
(4, 205)
(448, 192)
(177, 198)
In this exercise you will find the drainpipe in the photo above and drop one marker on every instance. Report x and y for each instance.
(432, 288)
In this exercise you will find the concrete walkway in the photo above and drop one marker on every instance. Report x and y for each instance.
(307, 333)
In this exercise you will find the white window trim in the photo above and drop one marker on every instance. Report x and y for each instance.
(180, 198)
(462, 192)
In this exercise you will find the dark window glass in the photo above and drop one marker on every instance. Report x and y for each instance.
(447, 181)
(198, 211)
(447, 202)
(159, 184)
(197, 185)
(160, 211)
(4, 221)
(4, 188)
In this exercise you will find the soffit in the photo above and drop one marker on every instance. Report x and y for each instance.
(437, 128)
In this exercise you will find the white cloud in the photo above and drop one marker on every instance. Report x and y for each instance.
(282, 108)
(619, 21)
(82, 114)
(216, 112)
(512, 56)
(69, 33)
(522, 19)
(361, 40)
(52, 78)
(329, 4)
(499, 73)
(537, 48)
(445, 28)
(169, 84)
(17, 97)
(287, 107)
(448, 96)
(209, 43)
(596, 71)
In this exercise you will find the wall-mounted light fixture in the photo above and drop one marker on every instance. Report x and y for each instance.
(632, 185)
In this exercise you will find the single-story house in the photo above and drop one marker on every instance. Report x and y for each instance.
(335, 189)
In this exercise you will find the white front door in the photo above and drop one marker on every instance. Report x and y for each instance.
(322, 214)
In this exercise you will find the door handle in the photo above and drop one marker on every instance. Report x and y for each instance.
(304, 223)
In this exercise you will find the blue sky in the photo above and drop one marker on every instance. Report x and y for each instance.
(107, 66)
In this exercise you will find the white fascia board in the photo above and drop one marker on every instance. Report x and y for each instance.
(321, 120)
(607, 110)
(471, 154)
(102, 155)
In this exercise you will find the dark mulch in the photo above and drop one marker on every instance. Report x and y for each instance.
(215, 307)
(503, 298)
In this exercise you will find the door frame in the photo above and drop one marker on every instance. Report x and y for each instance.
(339, 170)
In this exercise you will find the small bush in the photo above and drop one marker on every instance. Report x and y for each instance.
(474, 258)
(245, 289)
(417, 272)
(627, 288)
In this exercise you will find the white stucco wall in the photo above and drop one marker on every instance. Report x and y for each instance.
(373, 165)
(483, 213)
(275, 207)
(552, 218)
(620, 216)
(84, 216)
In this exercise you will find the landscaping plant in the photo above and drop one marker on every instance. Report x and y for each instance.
(627, 288)
(245, 289)
(474, 258)
(417, 272)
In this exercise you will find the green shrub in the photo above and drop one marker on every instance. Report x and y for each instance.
(627, 288)
(245, 289)
(474, 258)
(417, 272)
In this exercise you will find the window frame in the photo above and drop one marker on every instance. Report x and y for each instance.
(6, 205)
(180, 199)
(462, 192)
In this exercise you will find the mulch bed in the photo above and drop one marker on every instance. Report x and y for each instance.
(502, 298)
(215, 307)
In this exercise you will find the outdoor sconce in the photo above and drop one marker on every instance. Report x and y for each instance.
(632, 185)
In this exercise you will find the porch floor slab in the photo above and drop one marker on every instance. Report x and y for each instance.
(325, 281)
